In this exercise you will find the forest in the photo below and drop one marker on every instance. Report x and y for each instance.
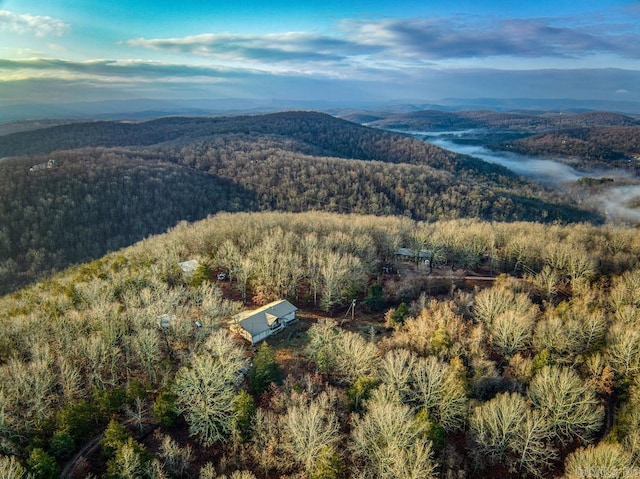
(531, 370)
(116, 183)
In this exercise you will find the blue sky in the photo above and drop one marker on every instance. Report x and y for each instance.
(54, 51)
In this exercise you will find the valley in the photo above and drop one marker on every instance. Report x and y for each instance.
(560, 150)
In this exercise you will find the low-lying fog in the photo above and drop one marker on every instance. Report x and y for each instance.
(614, 201)
(545, 171)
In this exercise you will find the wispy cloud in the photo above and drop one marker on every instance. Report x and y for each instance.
(108, 70)
(460, 38)
(281, 47)
(410, 40)
(56, 81)
(40, 26)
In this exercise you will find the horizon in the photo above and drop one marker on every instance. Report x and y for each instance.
(363, 52)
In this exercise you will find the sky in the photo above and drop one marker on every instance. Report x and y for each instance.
(60, 51)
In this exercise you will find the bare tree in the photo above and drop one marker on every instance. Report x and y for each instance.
(570, 406)
(206, 388)
(266, 447)
(137, 412)
(438, 389)
(491, 302)
(548, 282)
(229, 256)
(507, 431)
(128, 462)
(625, 290)
(26, 394)
(176, 459)
(396, 371)
(338, 271)
(343, 354)
(511, 332)
(623, 349)
(310, 429)
(390, 441)
(146, 347)
(606, 460)
(311, 250)
(239, 475)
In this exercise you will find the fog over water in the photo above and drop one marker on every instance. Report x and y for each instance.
(614, 201)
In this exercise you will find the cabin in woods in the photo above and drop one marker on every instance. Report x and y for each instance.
(258, 324)
(45, 166)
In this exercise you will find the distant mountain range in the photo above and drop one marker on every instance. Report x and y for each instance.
(152, 108)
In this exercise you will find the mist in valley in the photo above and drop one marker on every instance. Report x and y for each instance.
(618, 203)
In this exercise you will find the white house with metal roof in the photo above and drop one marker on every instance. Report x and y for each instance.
(259, 324)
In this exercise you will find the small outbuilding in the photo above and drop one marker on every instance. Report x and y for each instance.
(414, 254)
(258, 324)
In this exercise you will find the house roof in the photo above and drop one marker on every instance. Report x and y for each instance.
(423, 253)
(259, 320)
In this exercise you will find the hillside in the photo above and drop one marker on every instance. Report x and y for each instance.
(117, 182)
(597, 146)
(520, 338)
(435, 120)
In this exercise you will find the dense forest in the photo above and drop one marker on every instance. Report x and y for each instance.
(115, 183)
(533, 373)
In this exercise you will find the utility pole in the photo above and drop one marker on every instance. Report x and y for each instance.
(352, 308)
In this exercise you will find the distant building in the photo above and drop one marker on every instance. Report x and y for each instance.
(44, 166)
(261, 323)
(414, 254)
(423, 256)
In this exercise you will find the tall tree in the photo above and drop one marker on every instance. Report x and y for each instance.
(309, 430)
(390, 441)
(206, 389)
(569, 405)
(507, 431)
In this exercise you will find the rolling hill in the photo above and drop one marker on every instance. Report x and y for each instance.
(117, 182)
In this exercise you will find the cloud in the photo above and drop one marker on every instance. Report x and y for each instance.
(409, 42)
(46, 80)
(281, 47)
(40, 26)
(618, 203)
(456, 38)
(52, 67)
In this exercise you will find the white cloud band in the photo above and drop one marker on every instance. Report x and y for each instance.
(22, 23)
